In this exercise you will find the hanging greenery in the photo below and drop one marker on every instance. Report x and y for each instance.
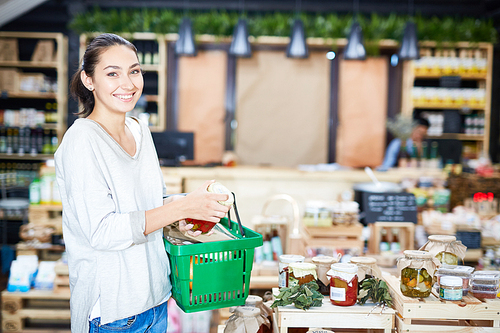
(325, 25)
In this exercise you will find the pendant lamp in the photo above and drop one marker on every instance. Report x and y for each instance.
(297, 48)
(355, 49)
(185, 45)
(409, 45)
(240, 46)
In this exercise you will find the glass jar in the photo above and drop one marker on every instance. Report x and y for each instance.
(446, 248)
(245, 319)
(300, 273)
(463, 272)
(367, 267)
(285, 260)
(417, 270)
(323, 264)
(450, 288)
(265, 311)
(343, 284)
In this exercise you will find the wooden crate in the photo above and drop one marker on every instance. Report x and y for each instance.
(49, 215)
(431, 314)
(334, 317)
(406, 235)
(337, 236)
(17, 307)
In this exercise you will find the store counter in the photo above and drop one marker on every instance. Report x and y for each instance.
(253, 186)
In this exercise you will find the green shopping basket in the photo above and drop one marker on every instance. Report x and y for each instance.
(207, 276)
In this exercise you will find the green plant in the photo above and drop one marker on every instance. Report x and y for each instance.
(376, 290)
(401, 127)
(301, 296)
(325, 25)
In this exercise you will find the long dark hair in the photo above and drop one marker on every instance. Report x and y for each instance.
(90, 59)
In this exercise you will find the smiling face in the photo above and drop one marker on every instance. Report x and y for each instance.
(117, 81)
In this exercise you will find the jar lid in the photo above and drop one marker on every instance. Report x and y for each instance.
(302, 266)
(346, 268)
(417, 254)
(221, 189)
(323, 260)
(253, 300)
(451, 281)
(442, 238)
(289, 258)
(363, 260)
(247, 311)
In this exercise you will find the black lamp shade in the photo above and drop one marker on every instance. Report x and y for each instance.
(240, 46)
(355, 50)
(297, 48)
(185, 44)
(409, 45)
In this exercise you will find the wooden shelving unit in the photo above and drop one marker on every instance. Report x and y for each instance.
(483, 81)
(59, 63)
(160, 98)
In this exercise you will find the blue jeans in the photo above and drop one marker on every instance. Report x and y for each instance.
(152, 321)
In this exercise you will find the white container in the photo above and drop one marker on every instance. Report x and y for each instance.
(285, 261)
(450, 288)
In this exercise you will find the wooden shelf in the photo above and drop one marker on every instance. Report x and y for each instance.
(39, 157)
(477, 76)
(447, 106)
(34, 95)
(44, 208)
(457, 136)
(151, 68)
(29, 64)
(151, 98)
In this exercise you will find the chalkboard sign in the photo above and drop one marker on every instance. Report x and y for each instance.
(389, 207)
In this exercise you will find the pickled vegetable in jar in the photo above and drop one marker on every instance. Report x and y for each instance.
(343, 284)
(300, 273)
(445, 248)
(417, 270)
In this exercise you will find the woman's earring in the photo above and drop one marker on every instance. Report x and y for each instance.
(91, 88)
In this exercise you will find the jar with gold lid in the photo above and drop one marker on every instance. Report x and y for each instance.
(301, 273)
(417, 271)
(446, 248)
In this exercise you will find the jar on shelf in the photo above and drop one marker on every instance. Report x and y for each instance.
(323, 264)
(300, 273)
(367, 267)
(417, 271)
(463, 272)
(343, 284)
(285, 261)
(446, 248)
(450, 288)
(265, 311)
(245, 319)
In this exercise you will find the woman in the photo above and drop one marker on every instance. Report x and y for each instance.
(114, 202)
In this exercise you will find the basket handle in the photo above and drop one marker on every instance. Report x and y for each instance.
(242, 232)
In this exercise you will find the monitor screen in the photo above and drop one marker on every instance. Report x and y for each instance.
(174, 147)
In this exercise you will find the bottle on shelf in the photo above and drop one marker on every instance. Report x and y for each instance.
(34, 192)
(395, 242)
(384, 241)
(424, 158)
(403, 156)
(434, 160)
(414, 157)
(267, 248)
(276, 245)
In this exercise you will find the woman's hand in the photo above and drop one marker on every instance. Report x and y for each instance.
(203, 205)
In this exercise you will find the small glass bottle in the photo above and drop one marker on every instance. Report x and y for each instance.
(450, 288)
(343, 284)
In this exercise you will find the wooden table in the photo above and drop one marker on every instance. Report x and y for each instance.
(334, 317)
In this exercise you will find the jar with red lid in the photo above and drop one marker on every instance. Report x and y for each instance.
(343, 284)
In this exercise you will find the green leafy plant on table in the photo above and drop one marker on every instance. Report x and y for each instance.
(302, 296)
(376, 290)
